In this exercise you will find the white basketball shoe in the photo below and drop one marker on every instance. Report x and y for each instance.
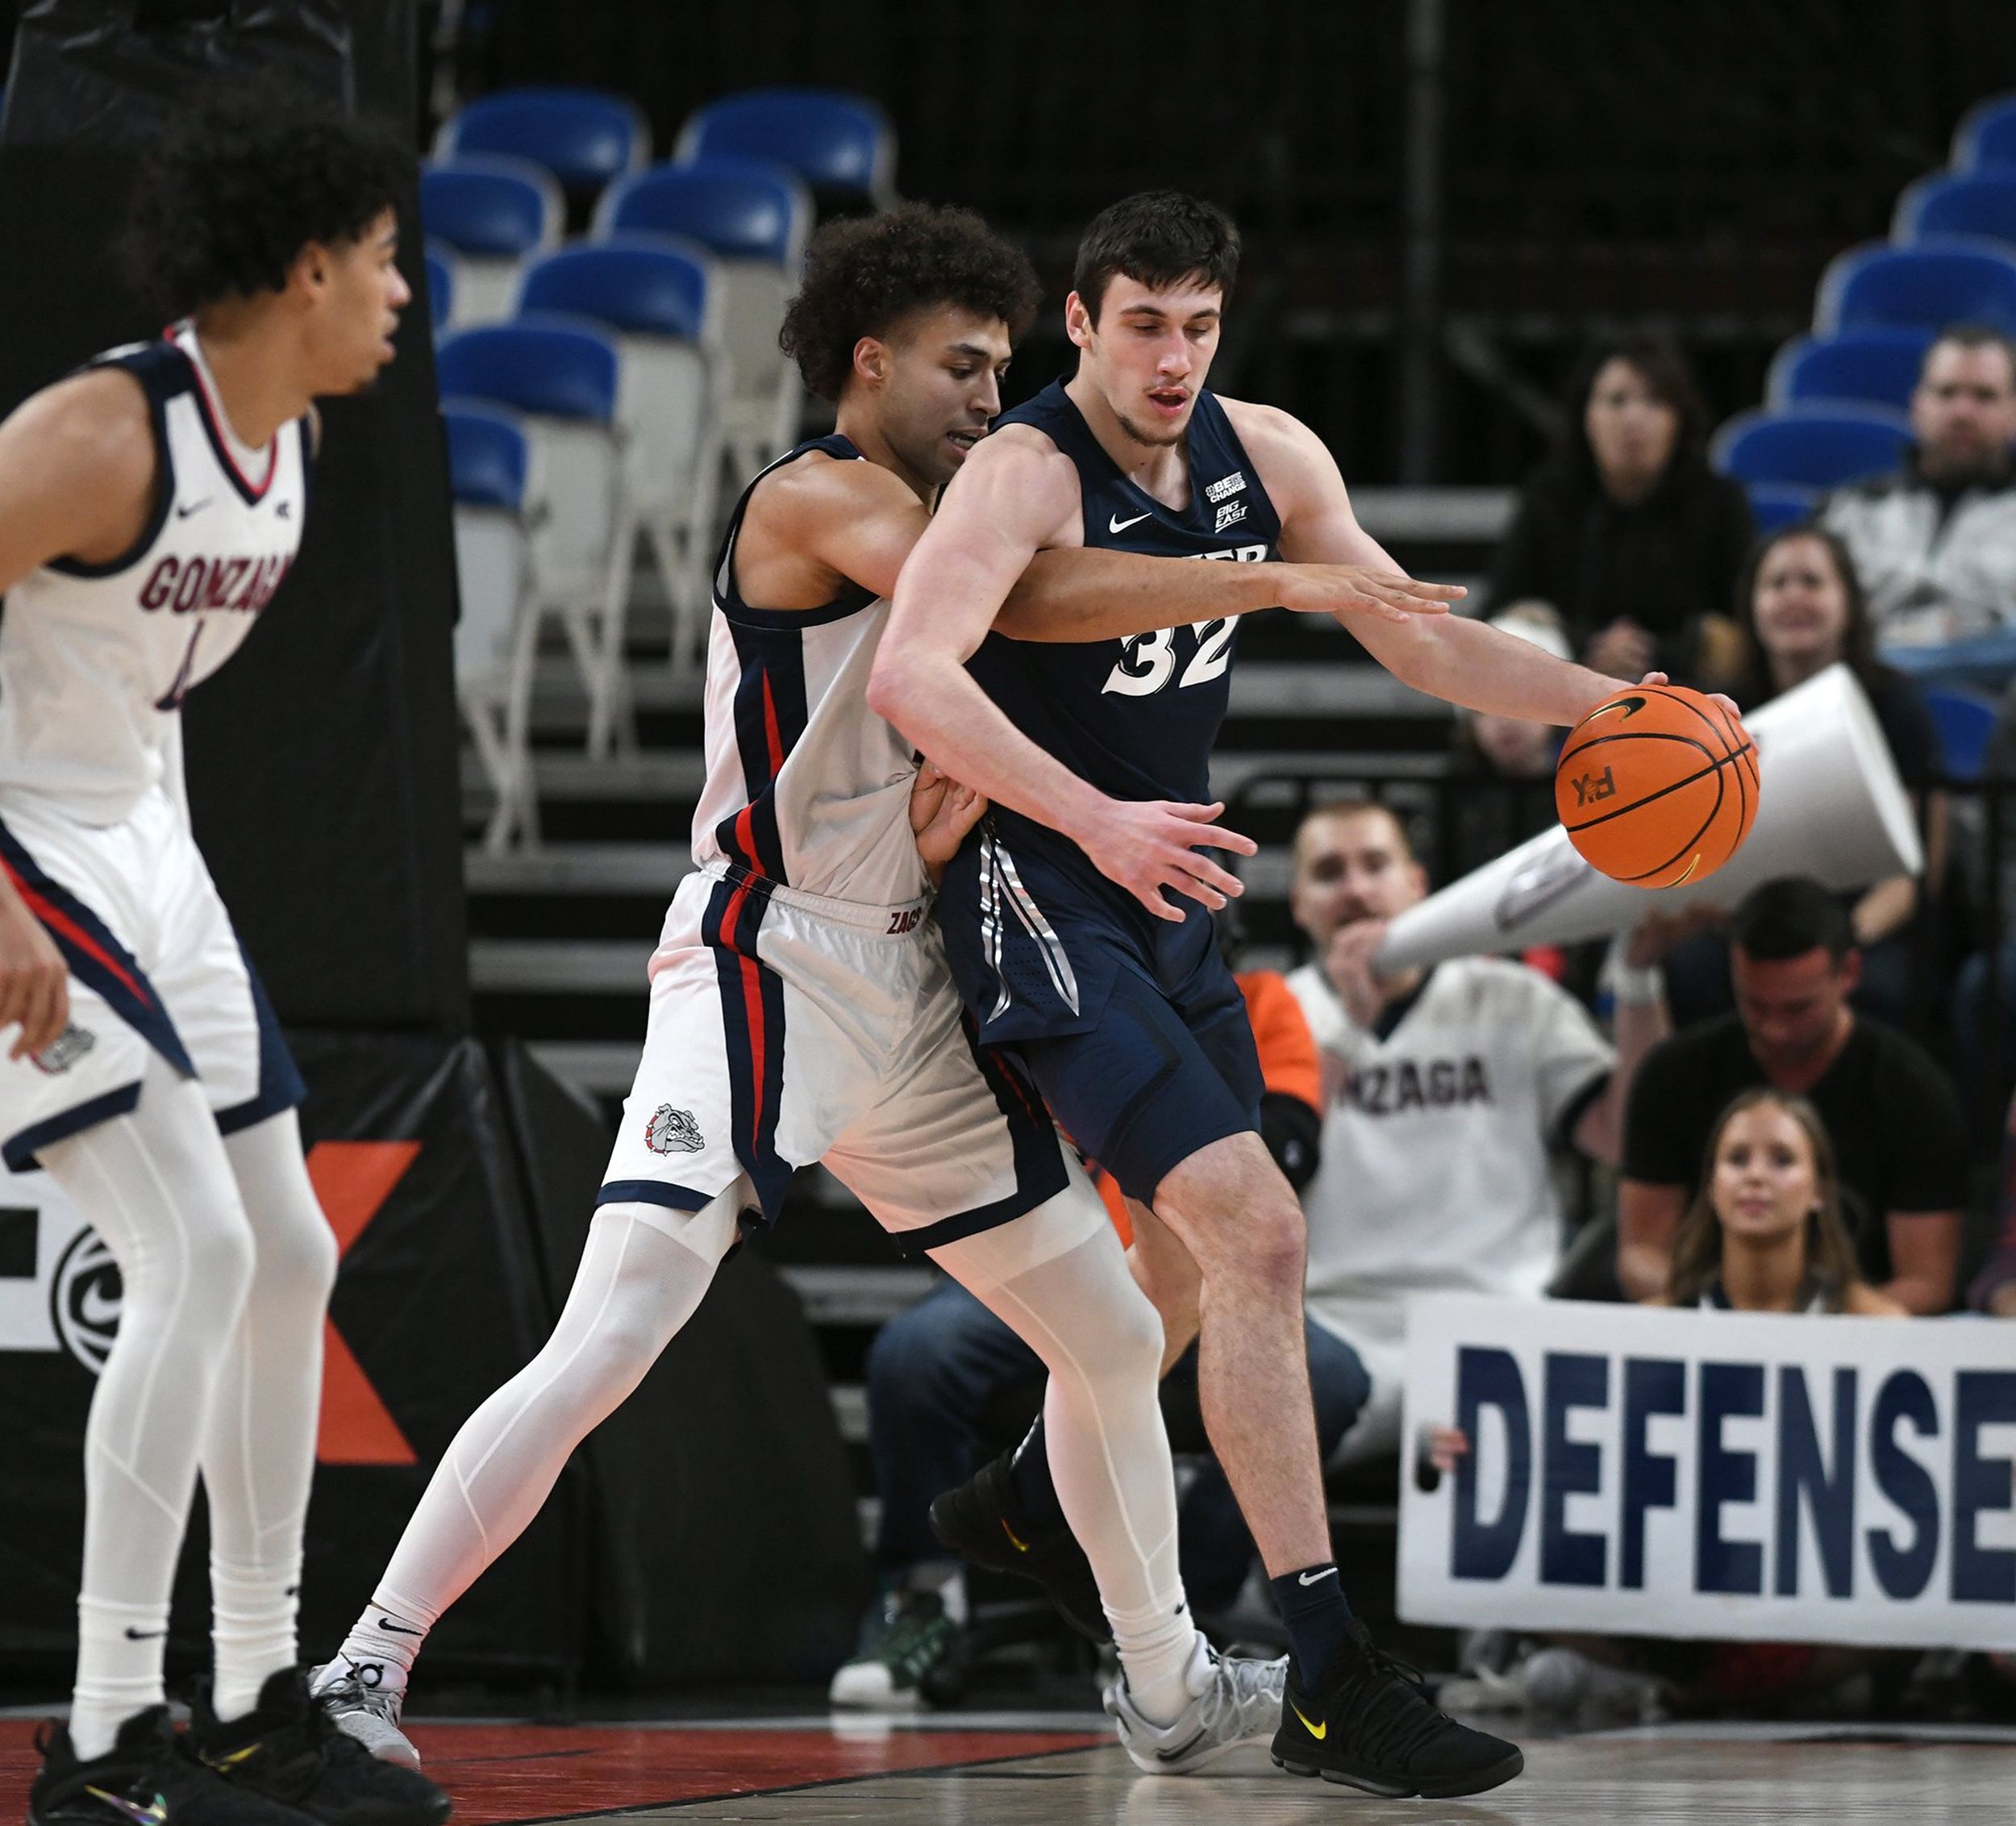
(1240, 1703)
(355, 1695)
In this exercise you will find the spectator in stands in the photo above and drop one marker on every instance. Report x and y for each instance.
(1803, 609)
(1935, 544)
(1627, 530)
(1994, 1289)
(1987, 1081)
(1764, 1233)
(1447, 1088)
(1893, 1115)
(948, 1383)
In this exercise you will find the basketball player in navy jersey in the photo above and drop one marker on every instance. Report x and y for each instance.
(149, 506)
(1065, 948)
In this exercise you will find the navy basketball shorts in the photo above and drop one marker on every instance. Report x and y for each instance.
(1132, 1028)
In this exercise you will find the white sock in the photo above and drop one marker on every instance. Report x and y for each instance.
(252, 1633)
(118, 1669)
(388, 1636)
(1163, 1651)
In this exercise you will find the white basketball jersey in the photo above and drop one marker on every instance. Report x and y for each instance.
(95, 660)
(805, 785)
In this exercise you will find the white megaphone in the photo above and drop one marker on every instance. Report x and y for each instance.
(1831, 805)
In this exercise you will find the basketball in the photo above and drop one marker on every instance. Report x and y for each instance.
(1657, 785)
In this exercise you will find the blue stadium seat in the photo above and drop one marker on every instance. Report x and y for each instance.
(1876, 367)
(1947, 282)
(1812, 446)
(487, 455)
(842, 145)
(564, 370)
(648, 284)
(1974, 203)
(741, 208)
(1986, 136)
(1964, 720)
(491, 206)
(585, 137)
(1773, 504)
(440, 271)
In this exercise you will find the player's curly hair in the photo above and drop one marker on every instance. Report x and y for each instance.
(242, 180)
(864, 274)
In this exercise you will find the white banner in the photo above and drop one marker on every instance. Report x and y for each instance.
(1633, 1471)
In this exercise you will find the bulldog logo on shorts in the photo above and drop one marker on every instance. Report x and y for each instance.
(672, 1132)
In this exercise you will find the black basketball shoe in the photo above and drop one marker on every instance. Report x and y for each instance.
(289, 1749)
(985, 1523)
(147, 1779)
(1370, 1727)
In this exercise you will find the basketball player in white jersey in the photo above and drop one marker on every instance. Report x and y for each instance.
(150, 506)
(800, 1009)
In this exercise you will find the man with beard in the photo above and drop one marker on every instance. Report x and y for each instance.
(1935, 544)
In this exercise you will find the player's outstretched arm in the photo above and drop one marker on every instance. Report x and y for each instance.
(77, 480)
(1015, 493)
(1465, 661)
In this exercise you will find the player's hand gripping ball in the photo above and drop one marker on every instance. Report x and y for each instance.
(1657, 786)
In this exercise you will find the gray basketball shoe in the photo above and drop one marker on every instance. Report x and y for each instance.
(354, 1694)
(1242, 1704)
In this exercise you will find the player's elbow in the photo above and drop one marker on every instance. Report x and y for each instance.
(898, 689)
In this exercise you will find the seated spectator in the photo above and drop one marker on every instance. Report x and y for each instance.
(1627, 530)
(1994, 1289)
(949, 1384)
(1935, 544)
(1893, 1115)
(1764, 1233)
(1446, 1089)
(1803, 610)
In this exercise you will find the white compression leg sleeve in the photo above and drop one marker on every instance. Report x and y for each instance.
(1059, 1278)
(157, 1187)
(259, 1449)
(641, 1277)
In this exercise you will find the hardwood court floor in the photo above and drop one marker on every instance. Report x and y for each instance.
(1006, 1770)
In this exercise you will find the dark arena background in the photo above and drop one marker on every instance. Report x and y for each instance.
(447, 791)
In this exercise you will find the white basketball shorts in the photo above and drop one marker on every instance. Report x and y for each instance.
(787, 1028)
(154, 964)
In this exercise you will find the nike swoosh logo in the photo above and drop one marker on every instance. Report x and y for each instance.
(1019, 1546)
(1116, 524)
(194, 507)
(1310, 1578)
(234, 1759)
(154, 1815)
(133, 1635)
(392, 1628)
(1318, 1732)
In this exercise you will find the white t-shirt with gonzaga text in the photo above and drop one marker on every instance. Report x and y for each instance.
(1435, 1174)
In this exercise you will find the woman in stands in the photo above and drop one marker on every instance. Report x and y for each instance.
(1626, 530)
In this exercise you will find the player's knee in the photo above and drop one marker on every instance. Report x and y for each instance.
(295, 1263)
(1271, 1251)
(219, 1259)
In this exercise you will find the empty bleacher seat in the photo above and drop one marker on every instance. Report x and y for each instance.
(562, 375)
(1946, 282)
(1986, 136)
(1818, 448)
(587, 137)
(1964, 720)
(439, 262)
(1877, 367)
(657, 293)
(489, 462)
(488, 215)
(1773, 504)
(1980, 203)
(754, 217)
(842, 145)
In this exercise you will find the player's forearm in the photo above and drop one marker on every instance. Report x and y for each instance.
(932, 699)
(1484, 670)
(1097, 595)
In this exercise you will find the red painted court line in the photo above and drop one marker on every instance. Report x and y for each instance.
(503, 1773)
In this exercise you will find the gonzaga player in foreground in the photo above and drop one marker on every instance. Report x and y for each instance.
(150, 506)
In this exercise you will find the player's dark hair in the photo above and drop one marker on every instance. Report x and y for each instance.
(1788, 918)
(1830, 1266)
(242, 180)
(1969, 336)
(1158, 238)
(864, 274)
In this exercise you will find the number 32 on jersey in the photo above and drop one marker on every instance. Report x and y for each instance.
(1148, 661)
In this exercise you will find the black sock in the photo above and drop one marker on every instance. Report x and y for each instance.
(1029, 1470)
(1313, 1607)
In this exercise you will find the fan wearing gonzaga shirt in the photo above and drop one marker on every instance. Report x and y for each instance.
(1444, 1091)
(150, 505)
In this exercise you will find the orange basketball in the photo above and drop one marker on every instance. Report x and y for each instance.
(1657, 786)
